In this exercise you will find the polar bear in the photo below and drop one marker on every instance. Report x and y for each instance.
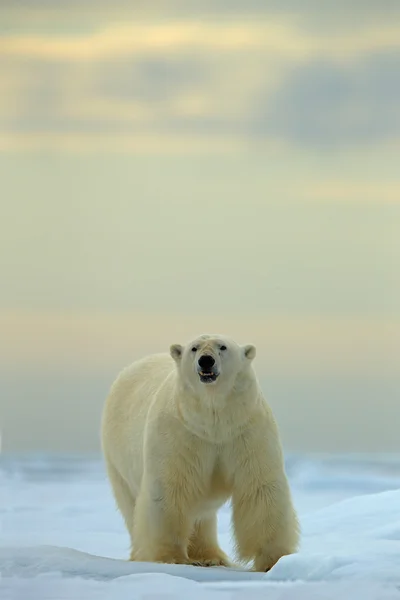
(181, 434)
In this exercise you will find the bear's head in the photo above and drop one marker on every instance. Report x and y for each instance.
(212, 360)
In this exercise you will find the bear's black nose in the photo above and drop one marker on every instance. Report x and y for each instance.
(206, 361)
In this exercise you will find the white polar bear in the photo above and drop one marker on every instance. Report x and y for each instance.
(181, 439)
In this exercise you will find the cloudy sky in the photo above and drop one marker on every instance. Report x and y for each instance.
(166, 171)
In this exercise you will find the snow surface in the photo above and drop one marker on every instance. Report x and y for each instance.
(62, 538)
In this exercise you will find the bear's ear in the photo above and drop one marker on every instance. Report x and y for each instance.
(249, 351)
(176, 351)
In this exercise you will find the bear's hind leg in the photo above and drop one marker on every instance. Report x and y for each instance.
(203, 545)
(124, 499)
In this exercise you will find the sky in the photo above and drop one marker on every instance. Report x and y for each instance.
(168, 170)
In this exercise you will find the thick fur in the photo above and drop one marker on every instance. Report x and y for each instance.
(177, 449)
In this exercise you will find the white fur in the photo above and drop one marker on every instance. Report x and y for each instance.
(177, 449)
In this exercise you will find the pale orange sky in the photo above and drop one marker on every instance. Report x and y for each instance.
(166, 172)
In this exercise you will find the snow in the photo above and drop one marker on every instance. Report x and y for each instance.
(62, 538)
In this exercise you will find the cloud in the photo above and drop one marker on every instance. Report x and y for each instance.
(315, 344)
(325, 103)
(354, 191)
(235, 80)
(281, 35)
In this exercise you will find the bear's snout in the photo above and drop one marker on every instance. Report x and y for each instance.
(206, 362)
(207, 368)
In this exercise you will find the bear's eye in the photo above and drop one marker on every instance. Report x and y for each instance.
(194, 349)
(222, 348)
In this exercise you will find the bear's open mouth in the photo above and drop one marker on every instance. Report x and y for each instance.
(208, 376)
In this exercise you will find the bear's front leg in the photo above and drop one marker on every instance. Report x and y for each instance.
(161, 528)
(203, 546)
(265, 522)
